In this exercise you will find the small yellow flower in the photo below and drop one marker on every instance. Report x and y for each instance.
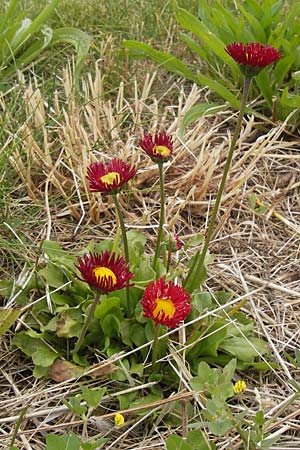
(119, 420)
(239, 387)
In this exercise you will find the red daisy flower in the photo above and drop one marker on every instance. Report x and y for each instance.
(166, 303)
(106, 272)
(253, 56)
(158, 147)
(109, 179)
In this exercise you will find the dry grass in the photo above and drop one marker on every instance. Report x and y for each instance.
(257, 255)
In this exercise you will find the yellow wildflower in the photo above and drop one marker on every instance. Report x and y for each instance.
(239, 387)
(119, 420)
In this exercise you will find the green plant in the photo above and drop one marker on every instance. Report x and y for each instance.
(23, 40)
(219, 23)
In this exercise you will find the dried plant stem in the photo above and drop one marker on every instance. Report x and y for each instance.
(162, 214)
(191, 282)
(125, 243)
(87, 322)
(155, 347)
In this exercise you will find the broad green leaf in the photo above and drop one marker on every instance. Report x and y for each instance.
(290, 100)
(136, 243)
(95, 445)
(219, 427)
(209, 344)
(53, 276)
(175, 442)
(69, 323)
(197, 111)
(7, 318)
(74, 404)
(201, 301)
(137, 334)
(65, 442)
(40, 372)
(44, 357)
(228, 371)
(107, 306)
(199, 441)
(29, 342)
(244, 350)
(93, 397)
(111, 326)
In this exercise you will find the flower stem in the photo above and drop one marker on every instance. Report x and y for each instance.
(87, 322)
(190, 282)
(125, 243)
(155, 347)
(162, 214)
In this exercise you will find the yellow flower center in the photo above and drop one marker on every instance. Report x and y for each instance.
(161, 150)
(239, 387)
(110, 178)
(104, 273)
(164, 308)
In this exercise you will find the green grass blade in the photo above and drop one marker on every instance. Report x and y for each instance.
(76, 37)
(169, 62)
(258, 30)
(210, 41)
(35, 25)
(31, 53)
(9, 15)
(173, 64)
(197, 111)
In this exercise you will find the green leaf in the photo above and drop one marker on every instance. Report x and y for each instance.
(93, 397)
(220, 426)
(199, 441)
(175, 442)
(7, 318)
(53, 276)
(197, 111)
(111, 326)
(94, 445)
(150, 398)
(69, 323)
(255, 24)
(29, 342)
(136, 243)
(44, 357)
(209, 345)
(244, 350)
(207, 38)
(108, 305)
(194, 241)
(79, 39)
(137, 334)
(74, 404)
(201, 301)
(228, 371)
(65, 442)
(173, 64)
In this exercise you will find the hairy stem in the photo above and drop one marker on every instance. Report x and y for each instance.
(87, 322)
(162, 214)
(125, 244)
(190, 282)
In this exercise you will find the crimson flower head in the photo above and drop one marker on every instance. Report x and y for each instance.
(109, 179)
(159, 147)
(252, 57)
(166, 303)
(104, 272)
